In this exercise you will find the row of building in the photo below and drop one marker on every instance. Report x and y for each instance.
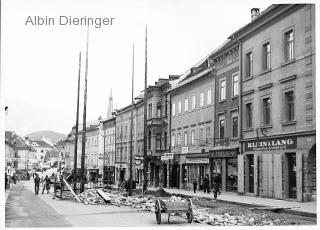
(246, 111)
(23, 155)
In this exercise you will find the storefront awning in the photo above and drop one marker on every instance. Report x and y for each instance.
(197, 155)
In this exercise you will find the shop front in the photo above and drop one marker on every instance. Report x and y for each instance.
(197, 166)
(109, 175)
(280, 167)
(224, 163)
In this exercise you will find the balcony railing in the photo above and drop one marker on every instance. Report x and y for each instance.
(221, 142)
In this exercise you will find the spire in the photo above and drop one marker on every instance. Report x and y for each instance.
(110, 105)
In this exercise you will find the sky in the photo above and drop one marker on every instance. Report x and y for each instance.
(39, 63)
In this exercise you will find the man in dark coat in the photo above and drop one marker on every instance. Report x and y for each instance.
(195, 184)
(206, 184)
(217, 184)
(36, 184)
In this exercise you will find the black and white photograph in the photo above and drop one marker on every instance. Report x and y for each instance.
(158, 113)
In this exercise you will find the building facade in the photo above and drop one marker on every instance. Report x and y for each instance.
(278, 103)
(191, 126)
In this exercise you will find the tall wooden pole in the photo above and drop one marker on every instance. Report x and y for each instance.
(84, 129)
(145, 160)
(131, 124)
(77, 127)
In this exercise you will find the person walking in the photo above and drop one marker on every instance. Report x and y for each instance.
(217, 184)
(46, 184)
(36, 184)
(195, 184)
(206, 184)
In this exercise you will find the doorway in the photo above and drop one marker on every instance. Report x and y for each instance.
(292, 170)
(165, 174)
(251, 173)
(201, 176)
(175, 176)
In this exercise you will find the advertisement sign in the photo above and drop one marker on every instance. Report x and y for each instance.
(184, 149)
(167, 156)
(197, 160)
(223, 153)
(271, 144)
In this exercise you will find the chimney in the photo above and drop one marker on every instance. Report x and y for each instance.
(255, 12)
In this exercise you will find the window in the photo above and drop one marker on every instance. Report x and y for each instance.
(179, 107)
(221, 128)
(235, 127)
(158, 143)
(193, 133)
(222, 89)
(289, 49)
(159, 110)
(289, 100)
(173, 140)
(266, 103)
(200, 134)
(185, 138)
(173, 109)
(266, 56)
(186, 104)
(179, 139)
(149, 140)
(249, 65)
(249, 115)
(208, 132)
(209, 97)
(235, 85)
(150, 110)
(165, 140)
(193, 102)
(201, 99)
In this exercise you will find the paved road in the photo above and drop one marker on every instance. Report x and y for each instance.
(24, 209)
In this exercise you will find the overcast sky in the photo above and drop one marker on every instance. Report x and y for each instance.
(40, 63)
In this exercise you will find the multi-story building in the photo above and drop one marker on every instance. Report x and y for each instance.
(107, 149)
(278, 102)
(191, 125)
(157, 133)
(223, 157)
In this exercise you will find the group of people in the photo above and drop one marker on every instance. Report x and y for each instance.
(46, 182)
(206, 188)
(10, 179)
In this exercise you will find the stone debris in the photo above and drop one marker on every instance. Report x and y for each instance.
(91, 196)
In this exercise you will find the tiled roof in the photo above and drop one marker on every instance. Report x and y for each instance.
(41, 144)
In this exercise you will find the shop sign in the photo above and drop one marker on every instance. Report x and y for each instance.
(223, 153)
(16, 159)
(138, 161)
(167, 156)
(197, 160)
(271, 144)
(184, 149)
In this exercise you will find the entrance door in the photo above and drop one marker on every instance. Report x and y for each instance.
(156, 169)
(164, 175)
(122, 175)
(251, 173)
(292, 169)
(175, 176)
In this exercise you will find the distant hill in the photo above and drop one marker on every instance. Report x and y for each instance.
(53, 136)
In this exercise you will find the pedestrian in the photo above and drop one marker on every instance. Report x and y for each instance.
(46, 184)
(206, 184)
(6, 178)
(36, 184)
(217, 183)
(195, 184)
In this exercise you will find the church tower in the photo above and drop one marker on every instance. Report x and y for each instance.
(110, 106)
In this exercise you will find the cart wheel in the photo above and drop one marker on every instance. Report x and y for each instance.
(190, 213)
(189, 217)
(158, 211)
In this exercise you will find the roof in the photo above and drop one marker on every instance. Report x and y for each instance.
(17, 142)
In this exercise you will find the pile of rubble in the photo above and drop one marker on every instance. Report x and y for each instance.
(91, 197)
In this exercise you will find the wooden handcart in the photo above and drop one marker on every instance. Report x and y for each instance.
(162, 205)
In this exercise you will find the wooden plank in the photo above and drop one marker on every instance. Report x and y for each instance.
(255, 173)
(299, 164)
(278, 176)
(240, 173)
(71, 190)
(270, 175)
(104, 195)
(264, 175)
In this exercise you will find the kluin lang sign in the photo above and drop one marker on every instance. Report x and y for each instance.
(271, 144)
